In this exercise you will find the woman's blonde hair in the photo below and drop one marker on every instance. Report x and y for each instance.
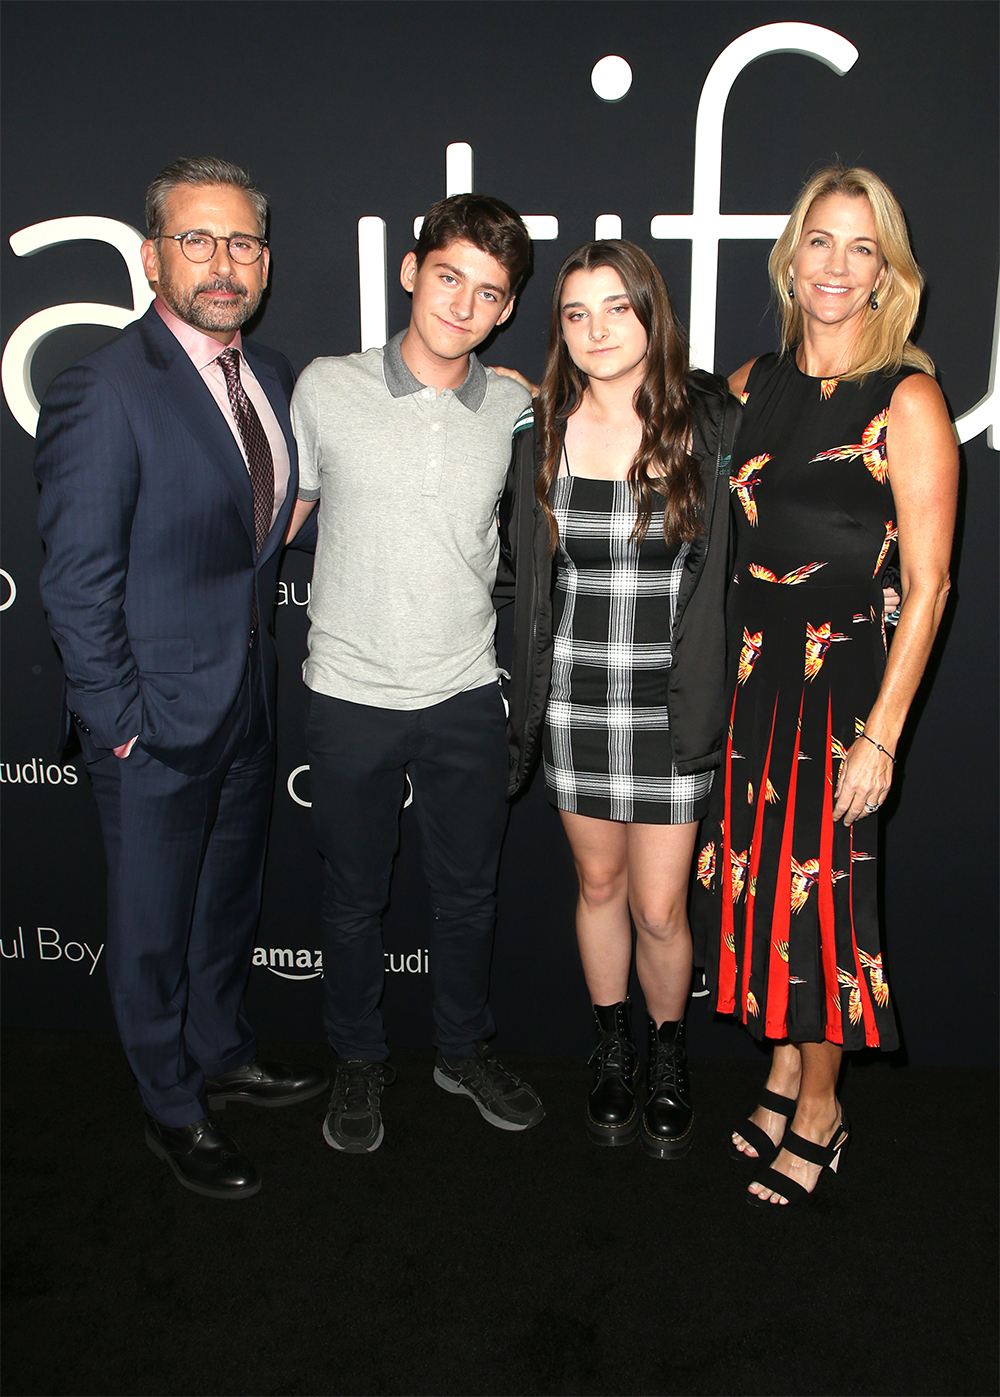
(883, 344)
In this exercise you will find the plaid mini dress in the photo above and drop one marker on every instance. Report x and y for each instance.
(607, 748)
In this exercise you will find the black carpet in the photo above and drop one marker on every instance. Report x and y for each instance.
(464, 1259)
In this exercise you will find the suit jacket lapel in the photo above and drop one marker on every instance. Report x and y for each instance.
(190, 399)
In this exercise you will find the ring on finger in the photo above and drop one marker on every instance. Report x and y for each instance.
(870, 809)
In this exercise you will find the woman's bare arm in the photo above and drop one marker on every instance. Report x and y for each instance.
(922, 460)
(738, 380)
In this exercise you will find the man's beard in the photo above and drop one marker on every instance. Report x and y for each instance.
(203, 314)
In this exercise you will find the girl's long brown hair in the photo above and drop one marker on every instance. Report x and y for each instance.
(663, 464)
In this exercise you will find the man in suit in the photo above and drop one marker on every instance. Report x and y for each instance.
(168, 474)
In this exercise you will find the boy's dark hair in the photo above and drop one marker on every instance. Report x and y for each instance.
(489, 224)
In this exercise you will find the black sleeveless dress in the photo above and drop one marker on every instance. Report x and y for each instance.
(784, 905)
(607, 748)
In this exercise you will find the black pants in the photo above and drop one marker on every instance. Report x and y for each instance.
(456, 756)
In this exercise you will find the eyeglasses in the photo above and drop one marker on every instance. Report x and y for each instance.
(200, 247)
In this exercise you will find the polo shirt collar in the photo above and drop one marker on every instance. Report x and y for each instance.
(401, 382)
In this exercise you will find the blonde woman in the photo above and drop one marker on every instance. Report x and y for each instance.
(845, 450)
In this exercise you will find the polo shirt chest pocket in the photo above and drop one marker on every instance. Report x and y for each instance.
(468, 477)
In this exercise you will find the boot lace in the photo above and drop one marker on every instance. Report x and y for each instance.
(667, 1070)
(613, 1055)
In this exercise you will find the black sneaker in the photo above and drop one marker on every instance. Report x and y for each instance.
(354, 1116)
(503, 1099)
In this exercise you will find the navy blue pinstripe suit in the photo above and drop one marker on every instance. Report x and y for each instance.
(151, 568)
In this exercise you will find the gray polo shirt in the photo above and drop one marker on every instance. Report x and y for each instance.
(408, 480)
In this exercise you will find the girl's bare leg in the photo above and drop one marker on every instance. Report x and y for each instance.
(659, 869)
(603, 929)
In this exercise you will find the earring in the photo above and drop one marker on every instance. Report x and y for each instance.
(872, 301)
(791, 291)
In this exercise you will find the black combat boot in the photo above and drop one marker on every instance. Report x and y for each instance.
(612, 1113)
(668, 1118)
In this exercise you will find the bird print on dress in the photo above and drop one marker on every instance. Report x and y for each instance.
(744, 483)
(790, 579)
(805, 876)
(827, 388)
(706, 865)
(818, 641)
(850, 982)
(891, 536)
(871, 447)
(749, 655)
(739, 867)
(873, 964)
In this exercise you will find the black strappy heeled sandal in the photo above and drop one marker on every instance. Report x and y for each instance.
(756, 1136)
(827, 1156)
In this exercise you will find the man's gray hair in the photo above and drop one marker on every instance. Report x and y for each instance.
(207, 170)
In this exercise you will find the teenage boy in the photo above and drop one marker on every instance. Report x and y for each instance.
(408, 448)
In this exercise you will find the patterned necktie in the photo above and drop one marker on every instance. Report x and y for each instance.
(258, 452)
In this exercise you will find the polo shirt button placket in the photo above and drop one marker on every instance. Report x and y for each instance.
(435, 452)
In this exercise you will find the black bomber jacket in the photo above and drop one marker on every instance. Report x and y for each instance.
(696, 688)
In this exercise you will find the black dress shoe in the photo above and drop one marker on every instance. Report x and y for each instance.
(204, 1158)
(266, 1084)
(669, 1116)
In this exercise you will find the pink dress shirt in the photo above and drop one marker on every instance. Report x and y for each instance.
(203, 352)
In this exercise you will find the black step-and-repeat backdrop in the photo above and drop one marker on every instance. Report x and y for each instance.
(688, 127)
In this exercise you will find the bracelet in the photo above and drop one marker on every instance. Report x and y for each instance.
(863, 734)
